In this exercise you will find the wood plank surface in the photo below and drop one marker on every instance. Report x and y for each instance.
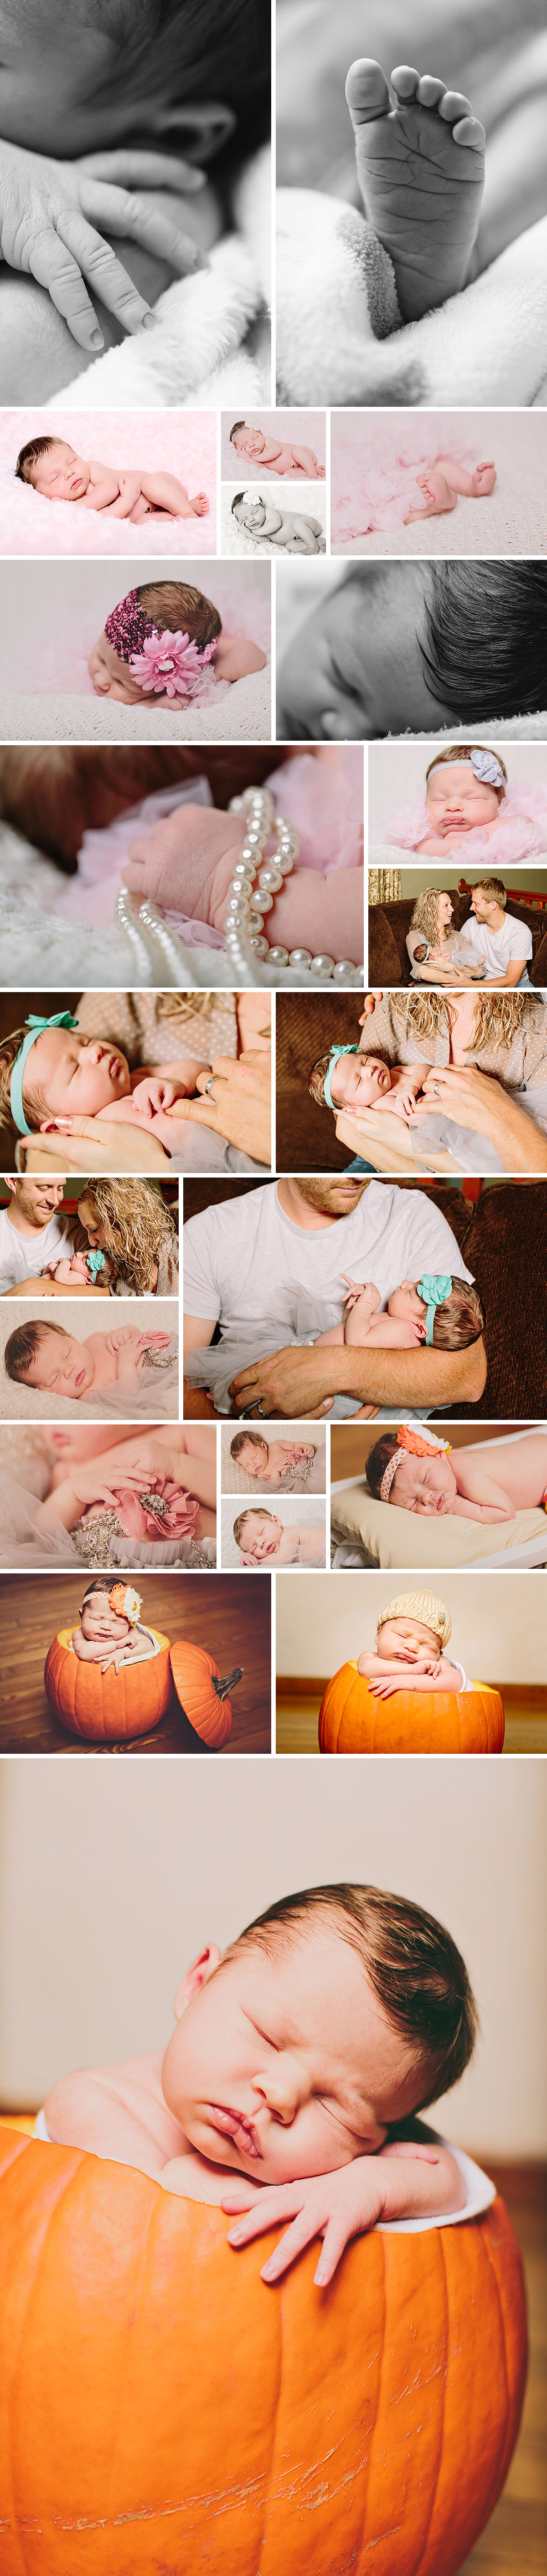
(231, 1619)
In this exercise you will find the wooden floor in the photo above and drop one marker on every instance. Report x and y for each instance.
(515, 2540)
(525, 1721)
(230, 1618)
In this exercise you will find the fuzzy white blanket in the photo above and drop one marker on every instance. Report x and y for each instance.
(338, 329)
(157, 1402)
(212, 346)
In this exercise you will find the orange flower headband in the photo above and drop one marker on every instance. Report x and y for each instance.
(407, 1439)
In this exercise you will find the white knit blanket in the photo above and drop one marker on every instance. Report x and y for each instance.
(338, 338)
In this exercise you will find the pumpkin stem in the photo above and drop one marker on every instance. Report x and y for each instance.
(228, 1681)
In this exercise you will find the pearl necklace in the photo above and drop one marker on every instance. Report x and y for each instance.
(159, 957)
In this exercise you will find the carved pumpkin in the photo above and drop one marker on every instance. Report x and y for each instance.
(353, 1720)
(161, 2409)
(203, 1692)
(107, 1706)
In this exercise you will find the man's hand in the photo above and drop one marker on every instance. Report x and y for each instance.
(289, 1382)
(239, 1106)
(52, 218)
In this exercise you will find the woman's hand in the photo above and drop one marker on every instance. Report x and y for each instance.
(114, 1147)
(480, 1103)
(239, 1105)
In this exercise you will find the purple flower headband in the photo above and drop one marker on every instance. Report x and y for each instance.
(160, 662)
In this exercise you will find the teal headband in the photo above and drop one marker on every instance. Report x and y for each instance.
(434, 1291)
(59, 1020)
(95, 1262)
(335, 1052)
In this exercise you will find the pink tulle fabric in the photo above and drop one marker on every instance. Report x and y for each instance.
(374, 467)
(519, 833)
(60, 663)
(137, 1521)
(324, 803)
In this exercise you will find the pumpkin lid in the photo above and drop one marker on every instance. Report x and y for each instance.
(220, 1683)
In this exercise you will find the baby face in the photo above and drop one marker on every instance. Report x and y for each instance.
(254, 1461)
(424, 1485)
(76, 1075)
(457, 801)
(261, 1536)
(357, 661)
(111, 677)
(359, 1081)
(61, 1366)
(78, 1266)
(251, 514)
(404, 1640)
(249, 442)
(406, 1305)
(101, 1625)
(62, 475)
(284, 2063)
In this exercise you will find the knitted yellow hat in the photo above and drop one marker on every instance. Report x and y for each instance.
(423, 1606)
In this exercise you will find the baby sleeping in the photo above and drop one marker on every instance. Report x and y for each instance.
(56, 471)
(161, 641)
(111, 1629)
(411, 1637)
(405, 1469)
(272, 1462)
(274, 455)
(87, 1269)
(264, 1541)
(347, 1079)
(44, 1356)
(51, 1073)
(469, 804)
(291, 528)
(441, 1312)
(291, 2084)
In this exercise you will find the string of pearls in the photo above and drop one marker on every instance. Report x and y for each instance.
(248, 904)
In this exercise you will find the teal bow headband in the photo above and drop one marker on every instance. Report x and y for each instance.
(335, 1052)
(95, 1262)
(434, 1291)
(59, 1020)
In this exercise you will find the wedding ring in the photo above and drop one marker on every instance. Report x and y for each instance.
(209, 1088)
(437, 1090)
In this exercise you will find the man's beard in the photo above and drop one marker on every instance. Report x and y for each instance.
(332, 1196)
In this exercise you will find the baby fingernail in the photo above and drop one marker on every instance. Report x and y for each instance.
(149, 322)
(97, 341)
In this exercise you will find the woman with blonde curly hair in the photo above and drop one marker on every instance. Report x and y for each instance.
(487, 1082)
(437, 953)
(130, 1222)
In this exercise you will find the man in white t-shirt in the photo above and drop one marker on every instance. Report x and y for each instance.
(32, 1230)
(279, 1252)
(504, 943)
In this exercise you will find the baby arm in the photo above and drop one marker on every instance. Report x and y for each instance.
(186, 864)
(238, 658)
(405, 2180)
(87, 1651)
(406, 1082)
(137, 1649)
(366, 1299)
(479, 1496)
(103, 488)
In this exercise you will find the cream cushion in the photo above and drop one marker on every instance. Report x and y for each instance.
(393, 1537)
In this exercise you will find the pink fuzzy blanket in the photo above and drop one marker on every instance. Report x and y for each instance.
(374, 465)
(519, 833)
(181, 443)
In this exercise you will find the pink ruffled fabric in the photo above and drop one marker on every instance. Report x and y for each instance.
(374, 467)
(324, 803)
(137, 1522)
(520, 832)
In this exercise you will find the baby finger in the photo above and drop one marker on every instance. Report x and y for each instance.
(136, 217)
(105, 275)
(144, 170)
(51, 263)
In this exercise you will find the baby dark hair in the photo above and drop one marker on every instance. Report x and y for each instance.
(259, 1514)
(177, 605)
(238, 1443)
(421, 952)
(34, 1102)
(417, 1973)
(30, 456)
(482, 636)
(238, 496)
(238, 424)
(23, 1345)
(462, 751)
(317, 1077)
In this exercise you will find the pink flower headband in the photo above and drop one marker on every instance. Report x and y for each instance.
(170, 663)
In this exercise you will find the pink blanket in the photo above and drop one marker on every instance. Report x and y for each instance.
(374, 466)
(519, 833)
(325, 804)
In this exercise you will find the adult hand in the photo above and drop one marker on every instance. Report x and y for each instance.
(288, 1382)
(239, 1105)
(463, 1093)
(369, 1006)
(114, 1147)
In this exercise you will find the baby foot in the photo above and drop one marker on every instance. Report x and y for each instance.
(200, 505)
(483, 480)
(438, 497)
(420, 167)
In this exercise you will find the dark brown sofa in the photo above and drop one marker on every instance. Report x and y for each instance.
(388, 924)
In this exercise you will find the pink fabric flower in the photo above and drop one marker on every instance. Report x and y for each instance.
(137, 1521)
(171, 663)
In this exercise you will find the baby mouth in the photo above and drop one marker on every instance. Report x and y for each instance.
(232, 2125)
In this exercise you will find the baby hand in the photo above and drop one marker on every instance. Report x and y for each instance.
(152, 1095)
(335, 2206)
(51, 218)
(177, 865)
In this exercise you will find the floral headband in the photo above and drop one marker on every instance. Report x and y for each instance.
(434, 1292)
(484, 766)
(335, 1052)
(124, 1600)
(160, 662)
(58, 1020)
(95, 1262)
(413, 1443)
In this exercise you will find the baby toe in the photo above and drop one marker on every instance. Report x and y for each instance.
(469, 131)
(454, 105)
(367, 91)
(404, 81)
(430, 91)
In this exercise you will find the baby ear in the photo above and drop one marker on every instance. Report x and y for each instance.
(196, 1976)
(202, 131)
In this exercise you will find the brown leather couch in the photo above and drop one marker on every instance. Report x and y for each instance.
(388, 924)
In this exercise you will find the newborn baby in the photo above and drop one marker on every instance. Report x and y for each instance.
(462, 795)
(442, 1312)
(111, 1630)
(277, 456)
(347, 1079)
(290, 2073)
(409, 1653)
(288, 528)
(474, 1485)
(54, 469)
(94, 1270)
(263, 1540)
(441, 482)
(271, 1462)
(160, 642)
(414, 647)
(44, 1356)
(54, 1074)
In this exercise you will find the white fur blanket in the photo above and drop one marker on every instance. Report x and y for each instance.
(338, 329)
(242, 715)
(212, 347)
(158, 1402)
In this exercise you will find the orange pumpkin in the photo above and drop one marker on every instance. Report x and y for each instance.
(202, 1691)
(107, 1707)
(353, 1720)
(161, 2409)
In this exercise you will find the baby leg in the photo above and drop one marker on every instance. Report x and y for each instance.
(476, 484)
(420, 167)
(166, 493)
